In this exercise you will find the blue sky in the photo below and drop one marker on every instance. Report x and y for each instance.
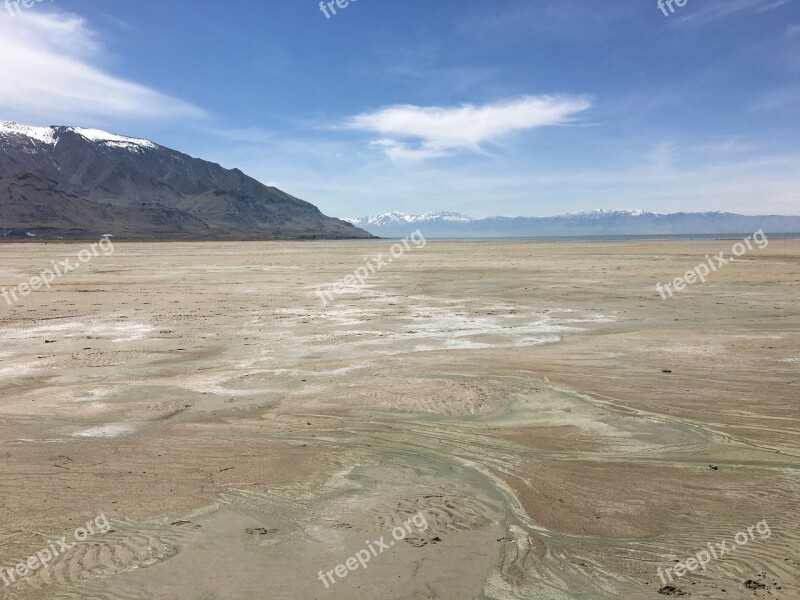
(510, 107)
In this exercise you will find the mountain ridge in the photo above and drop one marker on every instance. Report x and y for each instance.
(134, 188)
(587, 223)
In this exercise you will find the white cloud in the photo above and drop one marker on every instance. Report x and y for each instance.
(416, 133)
(793, 30)
(49, 68)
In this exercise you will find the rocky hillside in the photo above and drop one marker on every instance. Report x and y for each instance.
(72, 183)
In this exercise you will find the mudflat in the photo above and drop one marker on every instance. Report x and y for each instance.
(512, 420)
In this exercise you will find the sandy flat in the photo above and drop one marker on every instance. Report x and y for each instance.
(554, 420)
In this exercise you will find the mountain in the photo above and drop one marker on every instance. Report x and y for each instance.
(593, 223)
(397, 218)
(76, 183)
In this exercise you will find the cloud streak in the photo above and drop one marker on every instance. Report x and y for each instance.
(49, 66)
(724, 8)
(418, 133)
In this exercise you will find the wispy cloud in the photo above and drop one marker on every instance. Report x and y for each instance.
(719, 9)
(49, 63)
(420, 132)
(768, 5)
(793, 30)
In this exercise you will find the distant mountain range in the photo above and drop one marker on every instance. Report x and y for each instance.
(75, 183)
(594, 223)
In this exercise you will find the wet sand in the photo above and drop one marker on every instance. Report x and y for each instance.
(553, 419)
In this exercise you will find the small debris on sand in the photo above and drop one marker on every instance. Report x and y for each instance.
(261, 531)
(754, 585)
(671, 590)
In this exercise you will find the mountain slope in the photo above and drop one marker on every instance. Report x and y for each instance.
(601, 222)
(72, 182)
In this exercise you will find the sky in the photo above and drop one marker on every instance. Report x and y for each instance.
(508, 107)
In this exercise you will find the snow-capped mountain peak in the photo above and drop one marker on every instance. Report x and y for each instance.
(111, 139)
(589, 223)
(401, 218)
(50, 136)
(45, 135)
(65, 182)
(601, 213)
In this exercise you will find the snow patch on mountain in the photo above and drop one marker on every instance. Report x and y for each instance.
(401, 218)
(50, 136)
(40, 134)
(582, 224)
(604, 214)
(113, 140)
(397, 218)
